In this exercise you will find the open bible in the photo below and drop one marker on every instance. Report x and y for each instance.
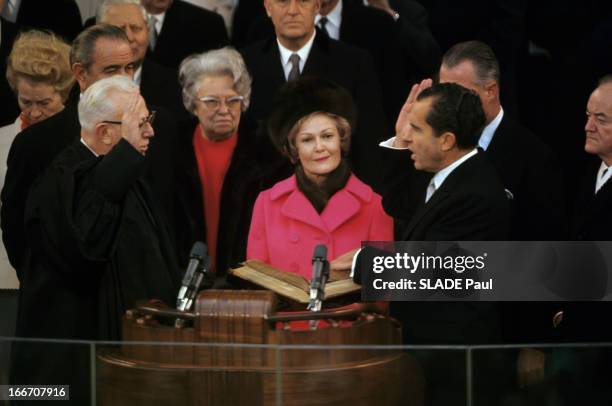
(291, 285)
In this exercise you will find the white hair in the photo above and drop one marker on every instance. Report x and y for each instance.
(104, 6)
(99, 102)
(219, 62)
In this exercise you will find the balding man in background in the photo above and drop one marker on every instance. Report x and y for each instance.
(158, 84)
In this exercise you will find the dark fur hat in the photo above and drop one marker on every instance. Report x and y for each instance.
(307, 95)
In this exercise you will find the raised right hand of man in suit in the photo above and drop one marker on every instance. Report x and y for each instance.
(401, 125)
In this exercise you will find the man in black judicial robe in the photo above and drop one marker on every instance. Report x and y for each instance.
(99, 51)
(99, 242)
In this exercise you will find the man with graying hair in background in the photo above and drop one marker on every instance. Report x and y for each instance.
(158, 84)
(101, 243)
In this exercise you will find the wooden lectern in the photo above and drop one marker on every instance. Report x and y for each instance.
(238, 369)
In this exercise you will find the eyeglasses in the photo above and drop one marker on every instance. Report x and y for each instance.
(148, 119)
(214, 103)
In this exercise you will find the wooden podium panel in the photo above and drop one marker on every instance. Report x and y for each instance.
(229, 364)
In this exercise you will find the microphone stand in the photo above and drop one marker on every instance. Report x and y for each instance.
(320, 275)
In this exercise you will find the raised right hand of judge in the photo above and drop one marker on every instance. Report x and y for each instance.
(130, 120)
(401, 125)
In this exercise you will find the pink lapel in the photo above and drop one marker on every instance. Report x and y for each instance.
(341, 207)
(296, 206)
(346, 203)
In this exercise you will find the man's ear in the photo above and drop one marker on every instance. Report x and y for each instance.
(448, 141)
(103, 134)
(267, 7)
(80, 74)
(492, 91)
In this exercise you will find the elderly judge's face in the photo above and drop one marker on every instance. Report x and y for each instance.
(37, 101)
(318, 147)
(293, 20)
(419, 136)
(218, 107)
(110, 57)
(598, 127)
(131, 121)
(129, 18)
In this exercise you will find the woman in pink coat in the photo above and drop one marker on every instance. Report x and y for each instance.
(323, 202)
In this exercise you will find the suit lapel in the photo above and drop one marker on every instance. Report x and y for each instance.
(437, 198)
(345, 29)
(447, 188)
(144, 79)
(317, 62)
(603, 197)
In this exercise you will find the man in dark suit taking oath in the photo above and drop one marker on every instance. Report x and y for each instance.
(464, 200)
(450, 193)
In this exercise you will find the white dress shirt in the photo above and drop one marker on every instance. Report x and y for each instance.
(138, 75)
(389, 144)
(89, 148)
(11, 10)
(159, 21)
(442, 174)
(489, 131)
(603, 174)
(334, 19)
(303, 52)
(8, 276)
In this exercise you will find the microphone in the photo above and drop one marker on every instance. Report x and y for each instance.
(320, 274)
(198, 265)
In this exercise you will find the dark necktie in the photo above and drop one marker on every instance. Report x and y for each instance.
(152, 32)
(294, 74)
(322, 24)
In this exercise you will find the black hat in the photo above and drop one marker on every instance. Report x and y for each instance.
(302, 97)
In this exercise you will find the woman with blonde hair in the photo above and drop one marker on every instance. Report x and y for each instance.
(323, 202)
(38, 71)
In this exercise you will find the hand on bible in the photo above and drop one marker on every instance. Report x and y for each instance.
(344, 261)
(401, 125)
